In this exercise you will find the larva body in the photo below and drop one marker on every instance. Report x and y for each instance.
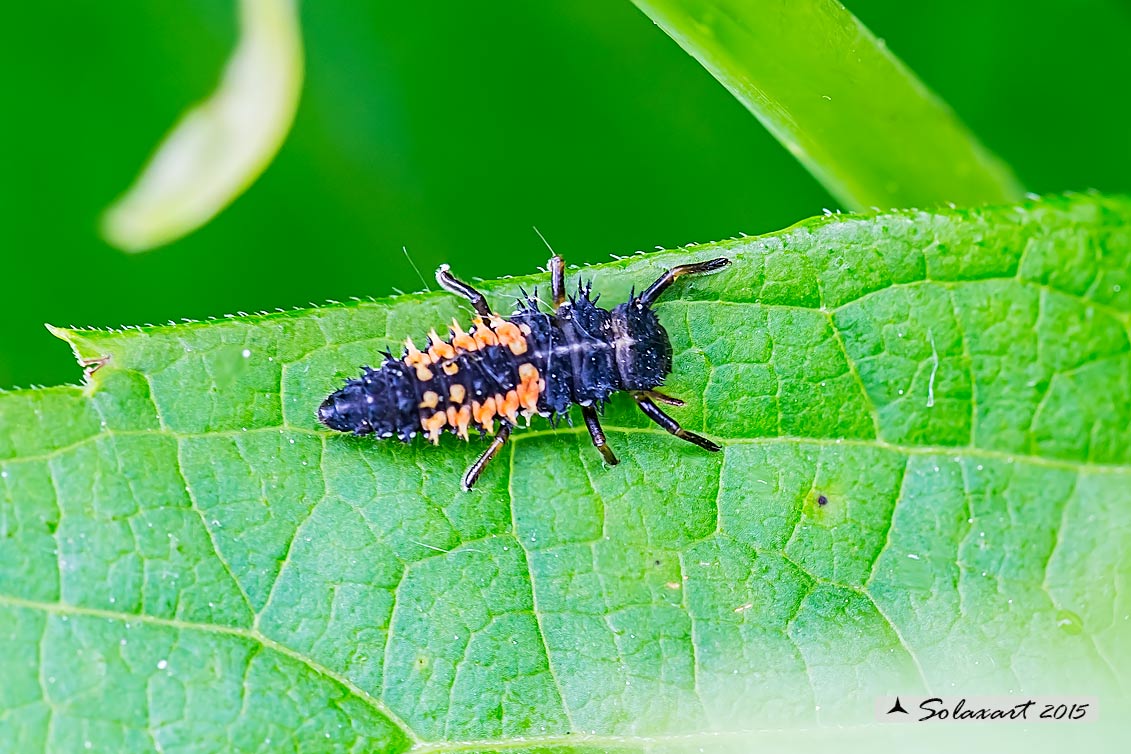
(533, 362)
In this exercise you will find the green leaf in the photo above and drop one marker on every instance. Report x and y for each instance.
(925, 484)
(838, 99)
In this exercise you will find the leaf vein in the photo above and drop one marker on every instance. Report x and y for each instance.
(248, 634)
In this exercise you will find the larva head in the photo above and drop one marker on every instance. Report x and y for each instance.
(643, 350)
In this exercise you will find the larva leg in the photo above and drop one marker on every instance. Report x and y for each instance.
(656, 395)
(450, 282)
(593, 424)
(653, 412)
(557, 280)
(648, 297)
(473, 471)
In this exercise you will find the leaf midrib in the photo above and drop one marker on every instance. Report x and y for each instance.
(970, 451)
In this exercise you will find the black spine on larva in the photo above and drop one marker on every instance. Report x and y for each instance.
(381, 402)
(588, 335)
(546, 344)
(497, 366)
(643, 351)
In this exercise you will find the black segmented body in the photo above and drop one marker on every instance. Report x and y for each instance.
(582, 353)
(532, 363)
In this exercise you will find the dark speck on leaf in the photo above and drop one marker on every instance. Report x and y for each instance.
(822, 500)
(657, 562)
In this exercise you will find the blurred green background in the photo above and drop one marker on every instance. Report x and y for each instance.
(452, 127)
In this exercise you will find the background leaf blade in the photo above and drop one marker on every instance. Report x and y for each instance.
(839, 101)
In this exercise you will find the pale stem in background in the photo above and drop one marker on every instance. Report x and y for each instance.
(223, 144)
(839, 100)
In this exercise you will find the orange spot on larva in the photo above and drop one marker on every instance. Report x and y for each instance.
(459, 419)
(414, 356)
(530, 388)
(461, 340)
(510, 336)
(429, 400)
(457, 393)
(484, 414)
(509, 406)
(432, 426)
(483, 335)
(438, 349)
